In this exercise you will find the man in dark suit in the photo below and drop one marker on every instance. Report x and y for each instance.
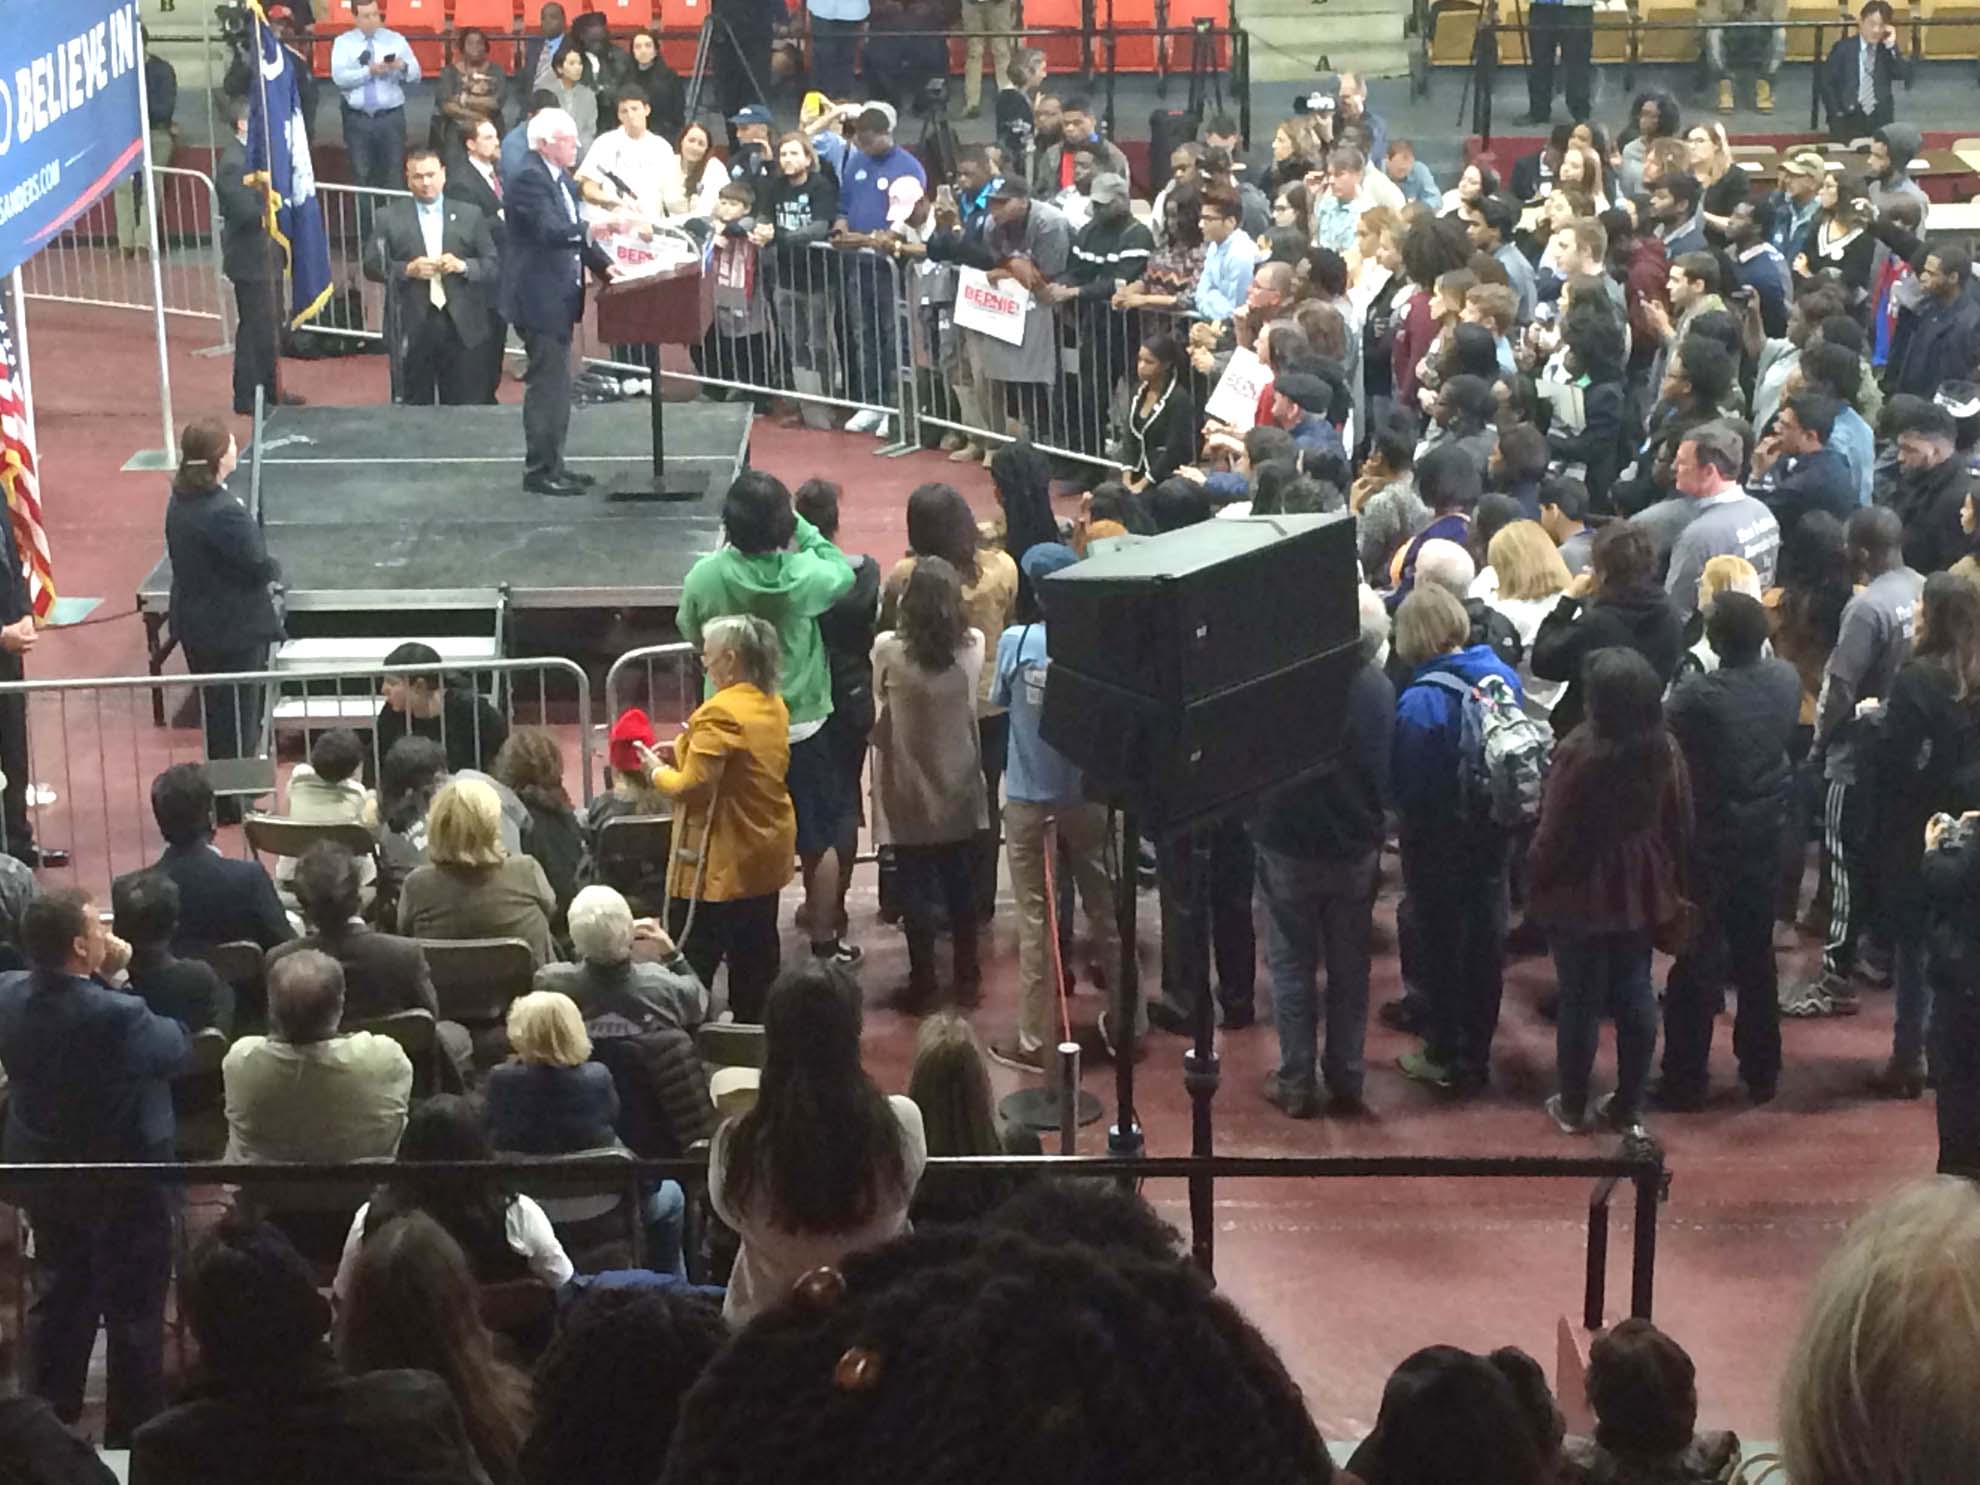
(89, 1072)
(1861, 70)
(253, 266)
(439, 257)
(539, 56)
(222, 899)
(478, 183)
(17, 637)
(548, 249)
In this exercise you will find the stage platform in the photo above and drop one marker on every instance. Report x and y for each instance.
(372, 509)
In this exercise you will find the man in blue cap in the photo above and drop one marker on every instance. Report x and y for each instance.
(751, 159)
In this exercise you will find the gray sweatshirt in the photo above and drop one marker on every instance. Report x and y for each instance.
(1729, 524)
(1873, 643)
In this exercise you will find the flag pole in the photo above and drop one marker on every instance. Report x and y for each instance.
(276, 319)
(157, 272)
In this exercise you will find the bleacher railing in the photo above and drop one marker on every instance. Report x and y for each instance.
(1642, 1167)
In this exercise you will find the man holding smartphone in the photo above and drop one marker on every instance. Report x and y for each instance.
(371, 67)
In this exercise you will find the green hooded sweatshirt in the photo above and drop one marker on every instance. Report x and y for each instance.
(790, 589)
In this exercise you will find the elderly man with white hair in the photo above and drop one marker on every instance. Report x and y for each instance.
(1445, 564)
(546, 252)
(607, 979)
(640, 1016)
(1319, 844)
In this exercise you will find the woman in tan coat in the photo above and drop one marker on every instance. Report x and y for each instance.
(735, 835)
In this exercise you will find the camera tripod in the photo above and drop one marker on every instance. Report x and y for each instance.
(704, 46)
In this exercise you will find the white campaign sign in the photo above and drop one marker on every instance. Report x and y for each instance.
(998, 310)
(1236, 399)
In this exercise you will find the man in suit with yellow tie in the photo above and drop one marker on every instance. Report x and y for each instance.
(439, 258)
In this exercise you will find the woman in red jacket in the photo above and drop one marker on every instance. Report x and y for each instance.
(1607, 869)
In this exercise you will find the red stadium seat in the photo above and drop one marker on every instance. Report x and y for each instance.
(622, 16)
(1061, 51)
(1183, 13)
(1130, 53)
(680, 16)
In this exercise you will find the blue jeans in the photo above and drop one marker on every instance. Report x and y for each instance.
(1311, 908)
(1598, 972)
(1914, 1001)
(663, 1213)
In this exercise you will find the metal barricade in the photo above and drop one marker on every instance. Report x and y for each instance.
(825, 328)
(100, 259)
(348, 213)
(1069, 392)
(93, 749)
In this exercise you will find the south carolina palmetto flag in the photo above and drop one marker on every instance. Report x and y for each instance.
(17, 478)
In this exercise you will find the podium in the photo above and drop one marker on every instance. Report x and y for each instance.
(674, 306)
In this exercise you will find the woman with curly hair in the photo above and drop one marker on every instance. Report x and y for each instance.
(532, 765)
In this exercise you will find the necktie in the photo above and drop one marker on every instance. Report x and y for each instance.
(1866, 80)
(495, 183)
(437, 293)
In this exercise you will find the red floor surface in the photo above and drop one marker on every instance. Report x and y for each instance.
(1348, 1276)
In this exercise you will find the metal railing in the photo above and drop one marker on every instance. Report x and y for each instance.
(1485, 60)
(1642, 1167)
(819, 326)
(89, 741)
(92, 263)
(348, 214)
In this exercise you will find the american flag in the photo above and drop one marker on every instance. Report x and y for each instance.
(17, 478)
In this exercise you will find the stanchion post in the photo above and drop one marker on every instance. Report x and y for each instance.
(1643, 1265)
(1200, 1070)
(1068, 1070)
(1124, 1138)
(1595, 1294)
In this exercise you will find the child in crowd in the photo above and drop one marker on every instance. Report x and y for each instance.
(1644, 1390)
(736, 347)
(327, 791)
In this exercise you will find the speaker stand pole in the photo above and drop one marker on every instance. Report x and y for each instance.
(1200, 1068)
(1124, 1138)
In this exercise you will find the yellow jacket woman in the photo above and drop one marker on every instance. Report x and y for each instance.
(735, 834)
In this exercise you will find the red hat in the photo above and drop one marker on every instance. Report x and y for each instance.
(633, 727)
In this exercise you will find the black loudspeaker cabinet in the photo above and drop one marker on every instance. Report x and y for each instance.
(1197, 611)
(1194, 672)
(1168, 128)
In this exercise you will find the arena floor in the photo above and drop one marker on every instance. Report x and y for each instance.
(1346, 1276)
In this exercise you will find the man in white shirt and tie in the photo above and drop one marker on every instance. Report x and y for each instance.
(440, 259)
(371, 67)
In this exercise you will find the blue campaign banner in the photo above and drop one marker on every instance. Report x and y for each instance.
(70, 122)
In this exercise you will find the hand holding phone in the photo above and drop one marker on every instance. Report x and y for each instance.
(647, 756)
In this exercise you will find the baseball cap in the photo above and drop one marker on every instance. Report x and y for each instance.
(1045, 558)
(1108, 187)
(1961, 399)
(632, 727)
(878, 105)
(1011, 188)
(903, 193)
(755, 113)
(1803, 162)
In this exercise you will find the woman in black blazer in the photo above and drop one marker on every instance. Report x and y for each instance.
(223, 613)
(1161, 418)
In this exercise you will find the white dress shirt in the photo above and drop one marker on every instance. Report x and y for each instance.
(350, 69)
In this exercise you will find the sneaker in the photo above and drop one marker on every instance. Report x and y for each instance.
(951, 442)
(1763, 96)
(864, 421)
(1420, 1067)
(1725, 95)
(1293, 1105)
(969, 453)
(1897, 1079)
(1875, 969)
(884, 429)
(1566, 1123)
(1007, 1051)
(1826, 995)
(1238, 1018)
(1165, 1017)
(839, 952)
(1345, 1106)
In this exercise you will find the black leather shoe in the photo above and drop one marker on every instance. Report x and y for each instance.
(550, 484)
(571, 477)
(49, 856)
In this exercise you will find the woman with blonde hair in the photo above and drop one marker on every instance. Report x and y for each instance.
(1727, 573)
(550, 1098)
(471, 887)
(1532, 576)
(950, 1084)
(735, 833)
(1879, 1385)
(1723, 185)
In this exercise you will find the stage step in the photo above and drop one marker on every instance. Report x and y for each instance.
(1289, 38)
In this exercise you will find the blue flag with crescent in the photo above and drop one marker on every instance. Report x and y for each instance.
(278, 153)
